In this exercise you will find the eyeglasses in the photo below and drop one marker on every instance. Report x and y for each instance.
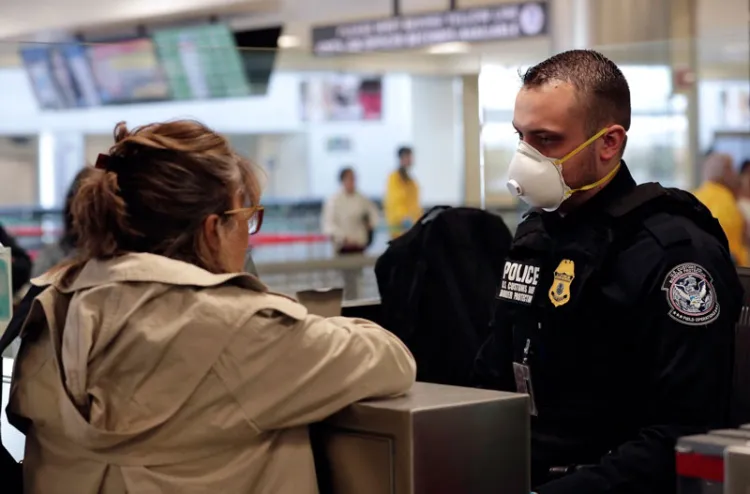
(253, 215)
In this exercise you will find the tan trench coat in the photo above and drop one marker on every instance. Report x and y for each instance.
(149, 375)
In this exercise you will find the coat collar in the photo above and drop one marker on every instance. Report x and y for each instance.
(147, 268)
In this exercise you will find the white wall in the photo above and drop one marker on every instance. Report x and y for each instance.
(374, 143)
(717, 17)
(18, 173)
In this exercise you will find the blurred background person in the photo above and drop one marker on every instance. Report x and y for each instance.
(350, 219)
(743, 199)
(401, 203)
(53, 254)
(719, 193)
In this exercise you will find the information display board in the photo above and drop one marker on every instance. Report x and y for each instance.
(128, 72)
(38, 61)
(201, 62)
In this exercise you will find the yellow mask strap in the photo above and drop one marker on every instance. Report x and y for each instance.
(578, 150)
(582, 146)
(602, 180)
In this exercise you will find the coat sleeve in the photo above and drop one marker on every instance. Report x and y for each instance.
(692, 306)
(287, 372)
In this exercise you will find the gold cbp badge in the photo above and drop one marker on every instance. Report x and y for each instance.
(559, 294)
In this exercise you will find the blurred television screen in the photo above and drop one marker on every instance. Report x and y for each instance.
(128, 72)
(52, 79)
(258, 49)
(76, 56)
(201, 62)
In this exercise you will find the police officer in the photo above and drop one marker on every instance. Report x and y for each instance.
(618, 302)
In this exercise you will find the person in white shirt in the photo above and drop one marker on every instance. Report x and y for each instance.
(349, 218)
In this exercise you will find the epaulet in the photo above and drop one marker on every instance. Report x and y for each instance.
(633, 212)
(636, 198)
(666, 231)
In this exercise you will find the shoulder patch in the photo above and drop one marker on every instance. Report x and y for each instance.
(691, 295)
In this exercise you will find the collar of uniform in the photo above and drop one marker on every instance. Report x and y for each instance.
(148, 268)
(621, 184)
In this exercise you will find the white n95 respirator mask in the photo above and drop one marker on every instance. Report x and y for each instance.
(538, 181)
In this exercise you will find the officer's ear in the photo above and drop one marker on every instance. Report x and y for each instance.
(613, 143)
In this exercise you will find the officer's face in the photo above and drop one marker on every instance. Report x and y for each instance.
(552, 119)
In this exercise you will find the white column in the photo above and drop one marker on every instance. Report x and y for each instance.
(570, 25)
(437, 139)
(473, 163)
(61, 156)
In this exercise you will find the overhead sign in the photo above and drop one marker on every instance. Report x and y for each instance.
(498, 22)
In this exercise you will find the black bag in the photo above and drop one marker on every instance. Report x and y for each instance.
(11, 472)
(437, 287)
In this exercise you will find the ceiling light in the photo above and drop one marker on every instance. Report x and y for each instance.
(287, 41)
(449, 48)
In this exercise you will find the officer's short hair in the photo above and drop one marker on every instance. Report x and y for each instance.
(347, 170)
(403, 151)
(598, 80)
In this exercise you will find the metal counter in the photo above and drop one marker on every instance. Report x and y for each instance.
(437, 439)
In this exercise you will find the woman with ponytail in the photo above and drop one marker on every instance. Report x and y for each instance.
(151, 363)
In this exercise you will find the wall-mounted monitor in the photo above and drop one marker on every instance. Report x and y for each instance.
(258, 52)
(128, 72)
(201, 62)
(76, 57)
(60, 76)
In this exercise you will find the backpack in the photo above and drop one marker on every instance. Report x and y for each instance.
(11, 472)
(437, 287)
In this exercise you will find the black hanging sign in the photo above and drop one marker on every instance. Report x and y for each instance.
(493, 23)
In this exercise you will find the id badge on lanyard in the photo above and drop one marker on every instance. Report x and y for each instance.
(522, 374)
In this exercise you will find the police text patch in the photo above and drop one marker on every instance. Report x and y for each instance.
(519, 282)
(691, 295)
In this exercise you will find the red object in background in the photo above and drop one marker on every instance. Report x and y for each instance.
(372, 105)
(700, 466)
(286, 238)
(370, 97)
(258, 240)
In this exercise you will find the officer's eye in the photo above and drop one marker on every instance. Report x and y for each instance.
(547, 140)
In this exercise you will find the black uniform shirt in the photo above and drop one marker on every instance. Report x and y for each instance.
(629, 342)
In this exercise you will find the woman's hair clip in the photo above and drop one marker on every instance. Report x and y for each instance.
(109, 163)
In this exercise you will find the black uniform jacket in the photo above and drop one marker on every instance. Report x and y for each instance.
(627, 338)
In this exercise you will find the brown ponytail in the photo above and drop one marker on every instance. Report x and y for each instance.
(168, 178)
(100, 215)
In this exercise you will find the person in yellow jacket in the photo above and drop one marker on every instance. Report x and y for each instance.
(401, 204)
(718, 194)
